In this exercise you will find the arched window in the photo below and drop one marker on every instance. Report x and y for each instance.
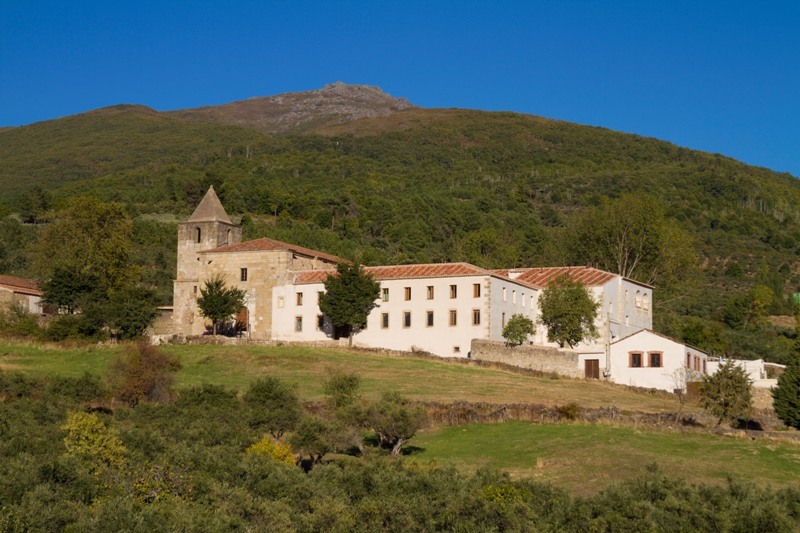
(646, 302)
(228, 237)
(197, 235)
(638, 298)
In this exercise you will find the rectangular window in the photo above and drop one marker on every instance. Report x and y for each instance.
(320, 322)
(243, 274)
(476, 317)
(635, 359)
(476, 290)
(453, 317)
(385, 320)
(504, 294)
(408, 293)
(280, 302)
(195, 289)
(429, 319)
(504, 318)
(299, 298)
(298, 323)
(522, 299)
(385, 295)
(407, 319)
(430, 292)
(456, 349)
(453, 291)
(513, 297)
(655, 359)
(688, 361)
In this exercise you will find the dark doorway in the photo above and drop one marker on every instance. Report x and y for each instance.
(592, 368)
(242, 319)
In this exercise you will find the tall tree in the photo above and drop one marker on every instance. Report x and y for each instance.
(726, 393)
(568, 312)
(349, 296)
(218, 302)
(632, 236)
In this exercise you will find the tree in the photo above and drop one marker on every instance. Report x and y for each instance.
(726, 394)
(274, 405)
(218, 302)
(395, 421)
(349, 296)
(632, 236)
(517, 330)
(68, 289)
(786, 396)
(568, 311)
(131, 310)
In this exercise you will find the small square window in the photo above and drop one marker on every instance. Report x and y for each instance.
(299, 298)
(453, 291)
(453, 317)
(430, 292)
(635, 359)
(407, 319)
(476, 317)
(407, 291)
(655, 359)
(385, 320)
(298, 323)
(456, 349)
(385, 294)
(429, 319)
(243, 274)
(476, 290)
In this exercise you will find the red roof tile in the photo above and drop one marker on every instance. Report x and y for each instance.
(541, 277)
(382, 273)
(267, 244)
(20, 285)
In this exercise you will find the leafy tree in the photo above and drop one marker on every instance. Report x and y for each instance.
(87, 437)
(395, 421)
(568, 311)
(218, 302)
(786, 396)
(143, 373)
(349, 296)
(274, 406)
(342, 389)
(131, 310)
(311, 438)
(632, 237)
(33, 204)
(726, 394)
(517, 329)
(69, 288)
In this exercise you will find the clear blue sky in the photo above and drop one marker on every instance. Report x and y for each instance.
(717, 76)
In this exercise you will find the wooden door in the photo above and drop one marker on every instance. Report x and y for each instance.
(592, 368)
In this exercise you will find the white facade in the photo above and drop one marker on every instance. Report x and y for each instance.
(647, 359)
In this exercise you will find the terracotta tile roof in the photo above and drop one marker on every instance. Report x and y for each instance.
(267, 244)
(210, 209)
(20, 285)
(541, 277)
(382, 273)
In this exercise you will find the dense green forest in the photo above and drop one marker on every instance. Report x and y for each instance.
(72, 461)
(494, 189)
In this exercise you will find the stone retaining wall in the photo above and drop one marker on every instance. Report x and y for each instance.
(539, 358)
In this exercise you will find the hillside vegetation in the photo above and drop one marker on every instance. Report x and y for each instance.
(419, 185)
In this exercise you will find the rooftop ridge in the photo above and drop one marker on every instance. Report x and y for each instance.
(210, 209)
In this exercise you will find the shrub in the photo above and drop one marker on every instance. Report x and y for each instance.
(88, 438)
(786, 396)
(517, 330)
(274, 406)
(143, 373)
(571, 411)
(273, 449)
(726, 394)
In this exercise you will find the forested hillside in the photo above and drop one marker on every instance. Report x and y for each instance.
(422, 185)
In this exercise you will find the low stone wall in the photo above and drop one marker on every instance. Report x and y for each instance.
(539, 358)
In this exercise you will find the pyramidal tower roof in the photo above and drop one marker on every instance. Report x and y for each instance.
(210, 209)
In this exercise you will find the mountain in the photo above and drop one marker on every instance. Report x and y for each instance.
(359, 174)
(299, 112)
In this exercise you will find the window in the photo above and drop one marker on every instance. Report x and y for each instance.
(504, 294)
(646, 302)
(298, 323)
(228, 237)
(384, 320)
(280, 302)
(430, 292)
(407, 319)
(456, 349)
(522, 299)
(627, 297)
(504, 318)
(513, 297)
(429, 319)
(299, 298)
(638, 298)
(408, 293)
(243, 274)
(197, 234)
(476, 290)
(320, 322)
(688, 361)
(453, 317)
(476, 317)
(635, 359)
(319, 296)
(704, 367)
(453, 291)
(385, 295)
(654, 359)
(195, 289)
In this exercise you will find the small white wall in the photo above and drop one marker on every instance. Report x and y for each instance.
(666, 377)
(754, 369)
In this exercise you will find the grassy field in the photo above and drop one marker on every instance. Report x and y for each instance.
(422, 379)
(585, 458)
